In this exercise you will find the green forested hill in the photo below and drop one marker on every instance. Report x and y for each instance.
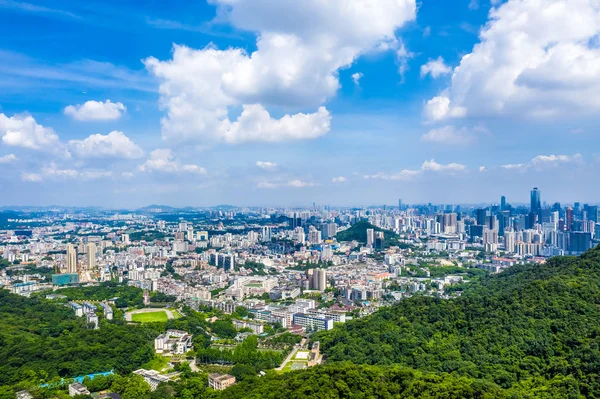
(530, 332)
(41, 341)
(358, 232)
(520, 329)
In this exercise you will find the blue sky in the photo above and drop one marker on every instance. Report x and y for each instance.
(273, 102)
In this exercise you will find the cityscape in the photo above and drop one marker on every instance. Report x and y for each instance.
(299, 199)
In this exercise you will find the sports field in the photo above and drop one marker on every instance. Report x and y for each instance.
(150, 317)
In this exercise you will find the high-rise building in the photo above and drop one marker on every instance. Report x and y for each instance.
(569, 219)
(90, 254)
(502, 203)
(370, 237)
(536, 203)
(318, 279)
(266, 234)
(71, 259)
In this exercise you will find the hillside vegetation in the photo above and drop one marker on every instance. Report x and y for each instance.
(358, 232)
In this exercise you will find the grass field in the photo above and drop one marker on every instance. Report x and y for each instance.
(176, 313)
(150, 317)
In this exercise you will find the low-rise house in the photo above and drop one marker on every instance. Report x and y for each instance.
(220, 381)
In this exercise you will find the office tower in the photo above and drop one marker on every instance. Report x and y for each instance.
(71, 259)
(482, 215)
(399, 204)
(370, 237)
(328, 230)
(90, 254)
(569, 219)
(502, 203)
(379, 240)
(536, 201)
(266, 233)
(125, 238)
(579, 242)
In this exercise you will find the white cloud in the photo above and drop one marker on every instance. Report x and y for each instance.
(535, 59)
(451, 135)
(9, 158)
(542, 162)
(115, 144)
(356, 77)
(266, 165)
(301, 45)
(255, 124)
(431, 165)
(427, 166)
(31, 177)
(482, 168)
(439, 108)
(405, 174)
(339, 179)
(24, 131)
(52, 172)
(403, 55)
(427, 31)
(96, 111)
(435, 68)
(163, 160)
(292, 183)
(515, 166)
(299, 184)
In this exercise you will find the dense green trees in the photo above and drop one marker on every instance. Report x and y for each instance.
(127, 295)
(358, 232)
(531, 326)
(41, 341)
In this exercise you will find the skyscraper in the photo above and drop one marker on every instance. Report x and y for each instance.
(370, 236)
(90, 253)
(71, 259)
(569, 219)
(502, 203)
(536, 202)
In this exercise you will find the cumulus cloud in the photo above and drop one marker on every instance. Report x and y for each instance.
(339, 179)
(451, 135)
(356, 77)
(163, 160)
(431, 165)
(536, 58)
(9, 158)
(255, 124)
(435, 68)
(427, 166)
(115, 144)
(299, 183)
(23, 131)
(95, 111)
(300, 47)
(542, 162)
(266, 165)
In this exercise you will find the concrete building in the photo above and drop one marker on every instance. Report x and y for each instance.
(257, 328)
(174, 342)
(71, 259)
(78, 389)
(220, 381)
(90, 255)
(152, 377)
(313, 323)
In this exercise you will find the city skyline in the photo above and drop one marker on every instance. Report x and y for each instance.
(113, 104)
